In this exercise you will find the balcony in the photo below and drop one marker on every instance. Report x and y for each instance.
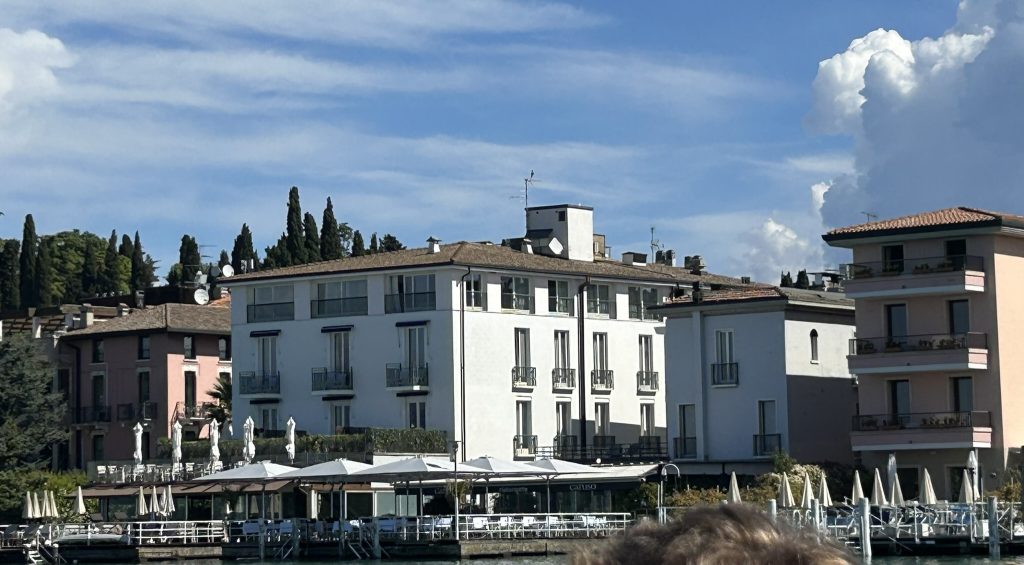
(259, 385)
(271, 312)
(725, 374)
(410, 302)
(685, 447)
(646, 382)
(565, 445)
(406, 379)
(125, 412)
(561, 305)
(766, 445)
(338, 307)
(915, 277)
(563, 379)
(148, 411)
(92, 415)
(602, 380)
(647, 449)
(517, 302)
(192, 414)
(923, 430)
(919, 353)
(331, 382)
(524, 447)
(640, 312)
(601, 308)
(524, 378)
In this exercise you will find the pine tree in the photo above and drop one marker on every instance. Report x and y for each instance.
(373, 244)
(802, 281)
(312, 237)
(27, 264)
(127, 247)
(138, 282)
(330, 237)
(358, 247)
(91, 279)
(295, 242)
(32, 412)
(390, 243)
(787, 280)
(44, 275)
(189, 258)
(243, 251)
(10, 294)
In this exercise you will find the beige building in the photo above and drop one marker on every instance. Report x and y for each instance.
(938, 309)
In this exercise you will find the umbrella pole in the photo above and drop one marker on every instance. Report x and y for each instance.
(263, 519)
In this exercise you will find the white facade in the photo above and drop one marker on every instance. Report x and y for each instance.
(742, 382)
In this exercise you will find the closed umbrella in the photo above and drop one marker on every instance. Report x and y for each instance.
(37, 509)
(169, 501)
(312, 506)
(808, 496)
(891, 476)
(928, 491)
(878, 491)
(289, 438)
(45, 509)
(137, 455)
(214, 443)
(966, 491)
(140, 504)
(28, 511)
(972, 469)
(79, 507)
(175, 446)
(733, 496)
(858, 489)
(786, 499)
(896, 493)
(154, 503)
(823, 495)
(248, 448)
(53, 505)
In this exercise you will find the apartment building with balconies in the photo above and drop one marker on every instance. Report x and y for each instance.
(938, 318)
(539, 346)
(756, 371)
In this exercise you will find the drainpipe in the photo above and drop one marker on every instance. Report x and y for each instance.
(581, 361)
(698, 358)
(462, 358)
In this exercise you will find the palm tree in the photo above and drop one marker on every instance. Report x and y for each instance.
(221, 394)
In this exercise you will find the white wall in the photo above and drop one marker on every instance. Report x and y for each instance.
(833, 345)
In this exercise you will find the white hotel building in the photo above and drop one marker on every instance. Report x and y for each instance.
(507, 348)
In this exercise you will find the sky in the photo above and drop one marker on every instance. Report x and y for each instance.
(740, 131)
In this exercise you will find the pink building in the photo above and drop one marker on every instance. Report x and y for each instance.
(937, 352)
(152, 366)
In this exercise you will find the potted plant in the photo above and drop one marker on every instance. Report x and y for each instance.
(893, 346)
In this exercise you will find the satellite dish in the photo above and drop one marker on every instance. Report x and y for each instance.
(201, 296)
(555, 246)
(226, 271)
(213, 271)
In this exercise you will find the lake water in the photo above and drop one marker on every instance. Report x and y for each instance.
(564, 560)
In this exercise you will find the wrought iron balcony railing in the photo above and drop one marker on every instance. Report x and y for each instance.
(922, 420)
(930, 342)
(250, 382)
(563, 379)
(524, 377)
(324, 380)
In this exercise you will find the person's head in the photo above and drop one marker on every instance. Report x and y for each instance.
(727, 534)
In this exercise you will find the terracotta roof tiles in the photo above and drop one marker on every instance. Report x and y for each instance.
(170, 317)
(960, 216)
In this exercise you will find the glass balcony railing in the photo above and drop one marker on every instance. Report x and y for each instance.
(684, 447)
(766, 445)
(338, 307)
(919, 266)
(274, 312)
(410, 302)
(922, 420)
(930, 342)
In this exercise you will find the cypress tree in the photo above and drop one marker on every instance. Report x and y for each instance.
(277, 255)
(802, 281)
(787, 280)
(312, 237)
(390, 243)
(138, 282)
(10, 293)
(295, 242)
(358, 247)
(243, 251)
(373, 244)
(189, 258)
(44, 275)
(127, 247)
(330, 237)
(91, 279)
(108, 275)
(27, 264)
(224, 259)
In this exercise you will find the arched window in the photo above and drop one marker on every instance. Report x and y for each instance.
(814, 346)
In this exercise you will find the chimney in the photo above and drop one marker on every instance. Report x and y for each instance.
(140, 299)
(600, 248)
(745, 280)
(634, 258)
(695, 264)
(698, 292)
(86, 319)
(122, 309)
(37, 327)
(527, 246)
(433, 245)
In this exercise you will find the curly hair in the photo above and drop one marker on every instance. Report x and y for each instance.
(722, 535)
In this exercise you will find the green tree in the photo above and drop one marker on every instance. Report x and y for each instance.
(358, 247)
(330, 238)
(10, 294)
(91, 279)
(30, 414)
(108, 276)
(67, 256)
(390, 243)
(787, 280)
(138, 270)
(127, 247)
(243, 251)
(295, 241)
(221, 395)
(189, 258)
(224, 259)
(277, 255)
(802, 281)
(174, 276)
(27, 264)
(312, 238)
(374, 248)
(44, 275)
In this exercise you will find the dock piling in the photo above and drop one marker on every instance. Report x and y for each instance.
(993, 527)
(865, 529)
(773, 510)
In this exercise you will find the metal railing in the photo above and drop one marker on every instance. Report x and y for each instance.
(524, 377)
(199, 411)
(922, 420)
(603, 440)
(646, 449)
(270, 312)
(249, 382)
(399, 376)
(725, 374)
(918, 266)
(331, 380)
(562, 378)
(565, 445)
(767, 444)
(516, 302)
(684, 447)
(602, 379)
(92, 414)
(601, 308)
(646, 381)
(493, 527)
(125, 412)
(928, 342)
(640, 312)
(149, 410)
(410, 302)
(523, 446)
(560, 305)
(336, 307)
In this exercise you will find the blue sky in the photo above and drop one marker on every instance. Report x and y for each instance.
(421, 118)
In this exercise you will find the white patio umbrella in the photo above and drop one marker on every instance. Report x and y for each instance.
(37, 510)
(896, 493)
(169, 501)
(858, 489)
(154, 503)
(878, 491)
(140, 504)
(289, 437)
(808, 496)
(785, 497)
(79, 507)
(251, 473)
(890, 474)
(312, 509)
(137, 455)
(733, 496)
(45, 511)
(28, 511)
(230, 427)
(554, 467)
(500, 468)
(823, 494)
(928, 491)
(966, 490)
(972, 468)
(214, 443)
(176, 446)
(249, 448)
(339, 468)
(53, 505)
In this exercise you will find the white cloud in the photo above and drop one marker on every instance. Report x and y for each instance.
(28, 62)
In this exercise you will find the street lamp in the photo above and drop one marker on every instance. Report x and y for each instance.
(661, 490)
(453, 455)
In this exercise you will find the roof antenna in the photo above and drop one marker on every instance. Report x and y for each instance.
(871, 217)
(525, 196)
(655, 245)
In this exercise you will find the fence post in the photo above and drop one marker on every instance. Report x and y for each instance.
(865, 528)
(993, 527)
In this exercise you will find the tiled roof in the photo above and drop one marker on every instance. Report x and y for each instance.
(487, 256)
(764, 293)
(50, 318)
(165, 317)
(960, 216)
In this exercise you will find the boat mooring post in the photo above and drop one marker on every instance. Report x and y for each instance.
(993, 527)
(865, 529)
(816, 512)
(773, 509)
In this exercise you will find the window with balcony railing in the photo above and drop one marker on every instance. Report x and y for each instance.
(515, 294)
(918, 266)
(921, 420)
(251, 382)
(559, 298)
(646, 381)
(271, 304)
(403, 376)
(410, 293)
(725, 374)
(524, 445)
(685, 447)
(524, 377)
(324, 379)
(928, 342)
(600, 301)
(766, 445)
(339, 298)
(476, 292)
(640, 299)
(563, 379)
(602, 379)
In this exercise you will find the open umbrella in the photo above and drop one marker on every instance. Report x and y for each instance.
(140, 504)
(214, 443)
(175, 446)
(79, 508)
(248, 448)
(137, 455)
(823, 495)
(928, 491)
(289, 438)
(808, 496)
(878, 491)
(733, 496)
(966, 491)
(553, 467)
(785, 498)
(330, 469)
(28, 511)
(858, 489)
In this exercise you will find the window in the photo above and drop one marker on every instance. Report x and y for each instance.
(646, 354)
(515, 294)
(561, 349)
(143, 347)
(476, 292)
(272, 303)
(959, 317)
(956, 253)
(189, 347)
(340, 361)
(563, 419)
(522, 345)
(416, 347)
(559, 299)
(143, 387)
(599, 300)
(97, 448)
(723, 346)
(561, 215)
(97, 351)
(896, 321)
(267, 419)
(600, 352)
(340, 298)
(524, 418)
(892, 258)
(766, 424)
(266, 348)
(687, 445)
(145, 446)
(963, 394)
(602, 427)
(99, 390)
(899, 397)
(410, 293)
(417, 414)
(640, 299)
(341, 417)
(190, 389)
(224, 349)
(814, 346)
(647, 420)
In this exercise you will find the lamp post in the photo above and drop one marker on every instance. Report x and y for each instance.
(453, 455)
(662, 515)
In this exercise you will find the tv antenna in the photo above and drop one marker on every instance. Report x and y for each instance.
(871, 217)
(525, 196)
(655, 245)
